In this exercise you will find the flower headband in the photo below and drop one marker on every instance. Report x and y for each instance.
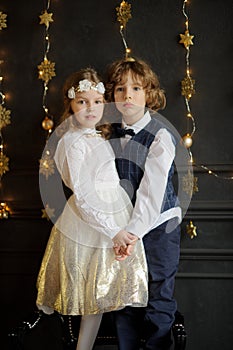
(86, 85)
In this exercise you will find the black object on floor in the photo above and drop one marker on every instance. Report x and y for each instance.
(57, 332)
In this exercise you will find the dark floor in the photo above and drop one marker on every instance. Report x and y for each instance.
(105, 347)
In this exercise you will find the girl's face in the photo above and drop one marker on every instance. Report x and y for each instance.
(130, 98)
(88, 107)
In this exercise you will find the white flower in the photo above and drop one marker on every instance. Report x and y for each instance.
(71, 93)
(84, 85)
(100, 88)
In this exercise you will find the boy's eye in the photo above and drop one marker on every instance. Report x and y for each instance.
(98, 102)
(137, 88)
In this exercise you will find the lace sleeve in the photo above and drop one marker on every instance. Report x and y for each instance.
(82, 171)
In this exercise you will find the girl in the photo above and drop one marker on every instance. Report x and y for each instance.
(80, 274)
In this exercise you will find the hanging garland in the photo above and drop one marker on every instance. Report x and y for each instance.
(46, 70)
(190, 185)
(188, 83)
(5, 119)
(188, 90)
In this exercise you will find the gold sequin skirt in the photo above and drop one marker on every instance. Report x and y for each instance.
(75, 279)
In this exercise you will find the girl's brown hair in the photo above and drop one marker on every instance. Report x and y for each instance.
(117, 71)
(73, 80)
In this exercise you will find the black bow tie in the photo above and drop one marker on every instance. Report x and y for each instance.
(122, 132)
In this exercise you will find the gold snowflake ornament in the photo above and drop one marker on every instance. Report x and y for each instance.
(4, 210)
(3, 17)
(5, 118)
(47, 166)
(123, 13)
(187, 87)
(186, 39)
(46, 18)
(189, 183)
(46, 70)
(4, 164)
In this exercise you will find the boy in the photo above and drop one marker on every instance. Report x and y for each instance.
(145, 150)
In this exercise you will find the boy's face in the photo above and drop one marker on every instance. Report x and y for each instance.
(130, 98)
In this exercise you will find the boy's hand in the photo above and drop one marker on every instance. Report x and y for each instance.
(123, 239)
(123, 244)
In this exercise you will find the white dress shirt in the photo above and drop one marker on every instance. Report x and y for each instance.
(149, 196)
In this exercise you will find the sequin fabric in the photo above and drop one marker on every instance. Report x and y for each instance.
(75, 279)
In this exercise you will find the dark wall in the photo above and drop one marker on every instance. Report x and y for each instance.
(86, 33)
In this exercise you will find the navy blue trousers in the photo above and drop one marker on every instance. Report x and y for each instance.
(154, 322)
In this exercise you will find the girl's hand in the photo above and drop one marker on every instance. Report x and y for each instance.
(124, 252)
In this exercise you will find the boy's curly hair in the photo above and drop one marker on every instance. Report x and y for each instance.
(116, 73)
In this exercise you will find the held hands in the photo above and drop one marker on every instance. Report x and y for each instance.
(123, 244)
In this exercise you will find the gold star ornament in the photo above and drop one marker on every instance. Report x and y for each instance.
(186, 39)
(47, 213)
(191, 230)
(46, 18)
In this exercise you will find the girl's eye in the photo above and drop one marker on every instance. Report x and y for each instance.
(119, 89)
(137, 88)
(98, 102)
(81, 102)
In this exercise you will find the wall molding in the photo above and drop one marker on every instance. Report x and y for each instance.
(200, 275)
(206, 254)
(199, 210)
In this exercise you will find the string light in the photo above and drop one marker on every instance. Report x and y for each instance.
(123, 15)
(46, 70)
(5, 119)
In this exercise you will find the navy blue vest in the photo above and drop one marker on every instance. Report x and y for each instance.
(130, 161)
